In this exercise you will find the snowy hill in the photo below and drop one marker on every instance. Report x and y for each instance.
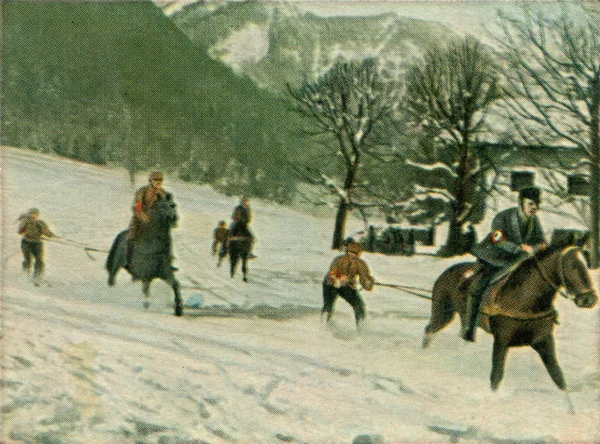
(85, 363)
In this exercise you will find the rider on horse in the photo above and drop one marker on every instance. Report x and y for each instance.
(145, 197)
(516, 234)
(242, 215)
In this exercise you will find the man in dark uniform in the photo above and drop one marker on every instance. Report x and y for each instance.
(516, 234)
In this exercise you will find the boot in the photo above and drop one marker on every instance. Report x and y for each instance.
(468, 332)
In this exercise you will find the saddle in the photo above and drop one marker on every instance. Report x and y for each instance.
(489, 305)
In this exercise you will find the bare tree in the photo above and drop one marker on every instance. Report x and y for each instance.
(349, 105)
(448, 93)
(552, 73)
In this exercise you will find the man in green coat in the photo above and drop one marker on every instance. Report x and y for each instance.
(516, 234)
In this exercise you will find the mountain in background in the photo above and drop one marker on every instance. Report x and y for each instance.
(122, 82)
(118, 81)
(275, 44)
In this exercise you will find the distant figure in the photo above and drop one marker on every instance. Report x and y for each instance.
(341, 280)
(32, 229)
(242, 215)
(220, 238)
(144, 199)
(516, 234)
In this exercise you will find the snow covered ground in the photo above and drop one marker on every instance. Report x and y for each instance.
(85, 363)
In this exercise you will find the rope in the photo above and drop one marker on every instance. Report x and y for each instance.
(407, 289)
(76, 244)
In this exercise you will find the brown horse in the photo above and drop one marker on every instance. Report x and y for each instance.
(523, 313)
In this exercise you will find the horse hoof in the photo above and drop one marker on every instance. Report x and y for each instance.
(426, 341)
(146, 305)
(111, 281)
(245, 279)
(179, 310)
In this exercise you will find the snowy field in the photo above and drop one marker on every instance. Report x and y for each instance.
(85, 363)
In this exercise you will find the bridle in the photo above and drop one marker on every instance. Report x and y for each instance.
(566, 294)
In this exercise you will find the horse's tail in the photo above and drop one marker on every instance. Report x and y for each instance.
(117, 251)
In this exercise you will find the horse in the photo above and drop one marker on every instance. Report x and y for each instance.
(239, 248)
(152, 255)
(523, 311)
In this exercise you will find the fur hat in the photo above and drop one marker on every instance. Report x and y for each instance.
(354, 247)
(533, 193)
(33, 211)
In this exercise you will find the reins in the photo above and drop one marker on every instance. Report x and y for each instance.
(557, 288)
(561, 274)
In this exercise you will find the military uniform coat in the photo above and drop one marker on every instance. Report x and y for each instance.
(510, 230)
(344, 270)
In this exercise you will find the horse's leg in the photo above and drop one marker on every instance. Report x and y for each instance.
(498, 362)
(146, 290)
(112, 274)
(547, 351)
(233, 260)
(174, 283)
(245, 266)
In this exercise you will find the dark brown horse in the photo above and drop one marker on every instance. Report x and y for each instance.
(523, 313)
(239, 249)
(152, 256)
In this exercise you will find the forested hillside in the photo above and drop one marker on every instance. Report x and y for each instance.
(119, 82)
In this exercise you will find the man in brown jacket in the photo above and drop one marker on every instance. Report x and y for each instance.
(145, 197)
(32, 229)
(341, 280)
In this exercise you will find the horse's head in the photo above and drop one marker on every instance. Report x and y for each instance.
(576, 278)
(164, 212)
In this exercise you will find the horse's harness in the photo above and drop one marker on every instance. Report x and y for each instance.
(558, 288)
(563, 283)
